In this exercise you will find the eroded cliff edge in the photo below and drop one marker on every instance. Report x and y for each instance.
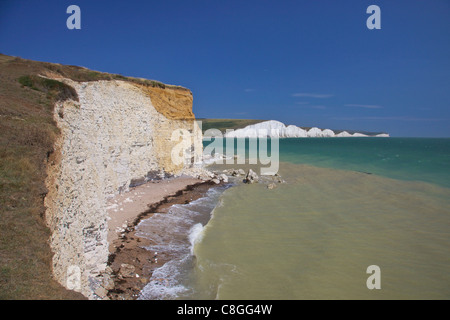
(117, 133)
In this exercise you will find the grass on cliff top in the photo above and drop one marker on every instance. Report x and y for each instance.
(223, 124)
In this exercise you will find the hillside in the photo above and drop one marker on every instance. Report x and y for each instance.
(223, 124)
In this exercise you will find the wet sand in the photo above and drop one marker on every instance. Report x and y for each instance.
(126, 211)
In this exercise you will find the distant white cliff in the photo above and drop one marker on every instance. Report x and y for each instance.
(273, 128)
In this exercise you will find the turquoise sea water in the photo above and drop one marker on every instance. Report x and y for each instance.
(347, 204)
(423, 159)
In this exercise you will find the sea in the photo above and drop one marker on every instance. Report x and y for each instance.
(344, 206)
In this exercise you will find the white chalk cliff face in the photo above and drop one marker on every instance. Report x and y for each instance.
(273, 128)
(111, 137)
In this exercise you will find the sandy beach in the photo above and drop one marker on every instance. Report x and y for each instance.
(132, 265)
(125, 208)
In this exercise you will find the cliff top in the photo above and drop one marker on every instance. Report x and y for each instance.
(174, 102)
(75, 73)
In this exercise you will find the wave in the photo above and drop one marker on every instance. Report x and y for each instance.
(195, 235)
(167, 281)
(176, 233)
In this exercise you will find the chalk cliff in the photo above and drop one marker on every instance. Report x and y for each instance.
(273, 128)
(118, 133)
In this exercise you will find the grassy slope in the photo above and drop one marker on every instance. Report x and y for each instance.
(27, 133)
(223, 124)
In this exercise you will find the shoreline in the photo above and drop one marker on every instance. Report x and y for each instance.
(124, 209)
(131, 265)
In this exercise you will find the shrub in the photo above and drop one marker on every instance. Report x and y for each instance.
(26, 81)
(56, 90)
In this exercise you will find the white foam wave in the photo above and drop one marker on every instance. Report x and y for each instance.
(195, 235)
(165, 282)
(176, 232)
(182, 211)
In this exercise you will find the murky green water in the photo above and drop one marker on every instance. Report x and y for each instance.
(314, 236)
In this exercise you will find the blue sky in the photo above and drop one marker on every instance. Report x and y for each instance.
(309, 63)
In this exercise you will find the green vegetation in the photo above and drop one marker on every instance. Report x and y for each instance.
(55, 90)
(223, 124)
(26, 81)
(81, 74)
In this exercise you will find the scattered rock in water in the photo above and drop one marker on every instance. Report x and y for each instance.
(223, 177)
(251, 177)
(271, 186)
(279, 180)
(235, 172)
(199, 173)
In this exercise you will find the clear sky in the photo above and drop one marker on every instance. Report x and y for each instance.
(308, 63)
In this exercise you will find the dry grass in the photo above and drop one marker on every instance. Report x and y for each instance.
(27, 134)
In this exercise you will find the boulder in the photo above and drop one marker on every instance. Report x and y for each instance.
(251, 177)
(237, 172)
(108, 282)
(126, 270)
(223, 177)
(101, 292)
